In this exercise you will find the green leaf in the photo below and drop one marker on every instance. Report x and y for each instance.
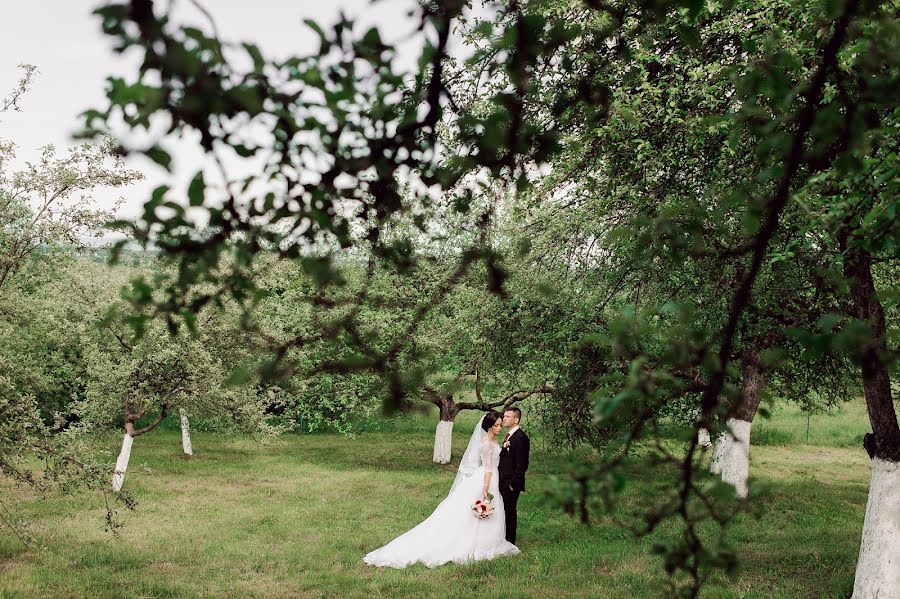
(256, 56)
(247, 98)
(196, 189)
(372, 37)
(325, 44)
(160, 157)
(243, 151)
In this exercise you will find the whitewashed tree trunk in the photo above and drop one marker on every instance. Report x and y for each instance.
(443, 438)
(736, 466)
(722, 447)
(185, 433)
(878, 568)
(122, 463)
(731, 457)
(703, 438)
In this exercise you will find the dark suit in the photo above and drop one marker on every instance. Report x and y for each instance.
(512, 467)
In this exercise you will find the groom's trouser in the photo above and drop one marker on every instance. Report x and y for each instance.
(510, 498)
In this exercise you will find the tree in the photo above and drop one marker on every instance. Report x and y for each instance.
(378, 130)
(449, 408)
(549, 73)
(462, 330)
(134, 382)
(855, 211)
(692, 175)
(648, 209)
(43, 207)
(51, 202)
(472, 344)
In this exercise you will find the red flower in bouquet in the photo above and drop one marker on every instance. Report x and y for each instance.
(483, 509)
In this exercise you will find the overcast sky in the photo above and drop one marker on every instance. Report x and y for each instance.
(63, 39)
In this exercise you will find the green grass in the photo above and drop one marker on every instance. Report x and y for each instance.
(294, 519)
(843, 427)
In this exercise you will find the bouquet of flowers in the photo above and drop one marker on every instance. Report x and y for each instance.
(483, 509)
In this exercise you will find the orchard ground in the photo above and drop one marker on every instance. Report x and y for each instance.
(294, 518)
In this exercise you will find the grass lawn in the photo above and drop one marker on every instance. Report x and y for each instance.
(294, 518)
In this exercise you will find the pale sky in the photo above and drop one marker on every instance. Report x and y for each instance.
(64, 40)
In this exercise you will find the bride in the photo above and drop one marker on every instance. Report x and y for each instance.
(452, 533)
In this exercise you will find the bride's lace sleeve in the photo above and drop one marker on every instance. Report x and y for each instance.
(487, 456)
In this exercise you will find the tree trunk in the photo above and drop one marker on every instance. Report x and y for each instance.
(721, 447)
(128, 441)
(878, 566)
(122, 463)
(703, 438)
(185, 433)
(731, 457)
(443, 436)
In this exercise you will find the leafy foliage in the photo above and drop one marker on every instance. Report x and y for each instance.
(705, 183)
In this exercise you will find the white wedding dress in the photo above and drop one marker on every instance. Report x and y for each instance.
(452, 533)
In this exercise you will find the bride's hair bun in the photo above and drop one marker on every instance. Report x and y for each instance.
(489, 419)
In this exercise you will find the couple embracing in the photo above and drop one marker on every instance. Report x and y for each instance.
(457, 531)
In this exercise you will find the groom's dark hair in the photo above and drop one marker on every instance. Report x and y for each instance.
(489, 419)
(517, 411)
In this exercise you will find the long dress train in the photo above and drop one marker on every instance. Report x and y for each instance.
(452, 533)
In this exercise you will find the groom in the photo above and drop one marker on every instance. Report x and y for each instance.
(512, 467)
